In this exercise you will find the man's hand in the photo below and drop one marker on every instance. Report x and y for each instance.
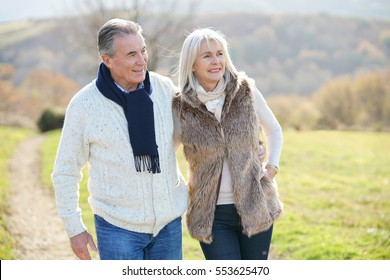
(79, 244)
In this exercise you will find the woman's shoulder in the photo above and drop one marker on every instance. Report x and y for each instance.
(243, 78)
(177, 100)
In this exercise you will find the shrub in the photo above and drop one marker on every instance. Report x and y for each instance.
(51, 118)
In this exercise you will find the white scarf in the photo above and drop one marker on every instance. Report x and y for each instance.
(213, 100)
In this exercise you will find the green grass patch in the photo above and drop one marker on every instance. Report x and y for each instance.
(10, 137)
(336, 191)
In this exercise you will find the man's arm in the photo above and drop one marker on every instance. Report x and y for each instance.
(72, 155)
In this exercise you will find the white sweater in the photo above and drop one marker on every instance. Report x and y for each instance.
(95, 132)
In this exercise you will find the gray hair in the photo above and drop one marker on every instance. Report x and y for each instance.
(112, 28)
(190, 51)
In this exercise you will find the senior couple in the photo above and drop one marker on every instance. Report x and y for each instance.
(127, 125)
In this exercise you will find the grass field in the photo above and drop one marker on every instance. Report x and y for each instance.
(9, 139)
(336, 191)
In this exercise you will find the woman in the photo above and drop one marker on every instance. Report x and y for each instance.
(218, 116)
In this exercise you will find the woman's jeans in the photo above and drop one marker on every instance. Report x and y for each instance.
(115, 243)
(229, 243)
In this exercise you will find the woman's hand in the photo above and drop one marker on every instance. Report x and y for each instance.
(261, 153)
(270, 172)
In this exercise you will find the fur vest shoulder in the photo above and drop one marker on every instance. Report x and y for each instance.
(207, 143)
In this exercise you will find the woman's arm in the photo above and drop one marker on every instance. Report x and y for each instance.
(271, 130)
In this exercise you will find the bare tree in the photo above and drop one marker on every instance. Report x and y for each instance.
(164, 24)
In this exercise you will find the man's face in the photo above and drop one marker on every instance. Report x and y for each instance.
(129, 63)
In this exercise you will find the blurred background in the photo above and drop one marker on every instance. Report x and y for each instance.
(321, 64)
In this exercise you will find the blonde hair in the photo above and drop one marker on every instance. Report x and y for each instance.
(190, 51)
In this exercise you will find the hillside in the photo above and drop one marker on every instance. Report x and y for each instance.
(40, 45)
(284, 53)
(298, 54)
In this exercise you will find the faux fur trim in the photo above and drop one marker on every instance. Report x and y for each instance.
(207, 143)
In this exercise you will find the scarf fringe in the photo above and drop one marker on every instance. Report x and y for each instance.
(147, 163)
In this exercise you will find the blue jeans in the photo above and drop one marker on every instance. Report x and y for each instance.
(229, 243)
(115, 243)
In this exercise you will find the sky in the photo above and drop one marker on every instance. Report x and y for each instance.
(12, 10)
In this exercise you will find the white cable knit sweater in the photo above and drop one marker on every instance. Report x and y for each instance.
(95, 131)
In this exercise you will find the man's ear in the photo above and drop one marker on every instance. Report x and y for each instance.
(107, 60)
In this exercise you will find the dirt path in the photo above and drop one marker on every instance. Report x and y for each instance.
(38, 230)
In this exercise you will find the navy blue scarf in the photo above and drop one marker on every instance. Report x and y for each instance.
(138, 109)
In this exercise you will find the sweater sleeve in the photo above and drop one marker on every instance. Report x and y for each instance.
(270, 127)
(176, 122)
(176, 130)
(72, 155)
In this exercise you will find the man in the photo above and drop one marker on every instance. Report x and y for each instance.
(121, 125)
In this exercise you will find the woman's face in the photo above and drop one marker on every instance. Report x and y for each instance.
(209, 65)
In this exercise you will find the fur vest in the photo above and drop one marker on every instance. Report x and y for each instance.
(207, 143)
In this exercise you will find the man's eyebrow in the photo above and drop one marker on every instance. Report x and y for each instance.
(134, 52)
